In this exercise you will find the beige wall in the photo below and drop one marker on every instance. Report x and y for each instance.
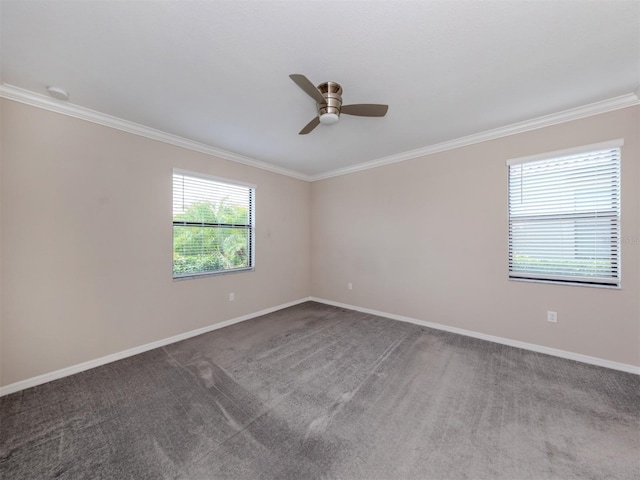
(87, 243)
(427, 239)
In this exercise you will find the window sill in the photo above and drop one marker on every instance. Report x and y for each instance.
(191, 276)
(559, 282)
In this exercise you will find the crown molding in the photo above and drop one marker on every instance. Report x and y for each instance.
(11, 92)
(616, 103)
(21, 95)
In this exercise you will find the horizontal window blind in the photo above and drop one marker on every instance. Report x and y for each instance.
(213, 225)
(564, 218)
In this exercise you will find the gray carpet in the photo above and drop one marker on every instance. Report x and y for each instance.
(320, 392)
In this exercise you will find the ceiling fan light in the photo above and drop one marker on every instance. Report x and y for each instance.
(329, 118)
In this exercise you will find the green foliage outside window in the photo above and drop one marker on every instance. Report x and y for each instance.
(584, 267)
(219, 241)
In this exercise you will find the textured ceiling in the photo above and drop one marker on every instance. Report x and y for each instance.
(216, 72)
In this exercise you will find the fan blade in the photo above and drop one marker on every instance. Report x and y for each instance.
(310, 126)
(365, 110)
(309, 88)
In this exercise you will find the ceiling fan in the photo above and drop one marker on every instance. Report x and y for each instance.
(328, 96)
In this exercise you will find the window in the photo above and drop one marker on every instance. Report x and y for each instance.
(564, 216)
(213, 225)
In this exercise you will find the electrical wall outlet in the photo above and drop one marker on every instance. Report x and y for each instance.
(232, 297)
(350, 286)
(552, 317)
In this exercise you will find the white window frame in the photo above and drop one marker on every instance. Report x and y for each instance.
(534, 215)
(251, 191)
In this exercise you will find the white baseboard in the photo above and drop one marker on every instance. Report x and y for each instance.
(624, 367)
(65, 372)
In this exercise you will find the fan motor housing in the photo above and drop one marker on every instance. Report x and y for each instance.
(332, 92)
